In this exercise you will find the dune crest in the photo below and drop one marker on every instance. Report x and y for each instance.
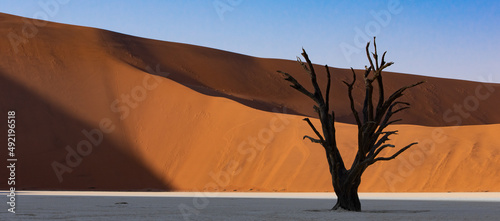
(191, 118)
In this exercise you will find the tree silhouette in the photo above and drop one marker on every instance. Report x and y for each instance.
(374, 119)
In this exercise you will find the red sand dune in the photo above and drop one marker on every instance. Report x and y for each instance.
(116, 112)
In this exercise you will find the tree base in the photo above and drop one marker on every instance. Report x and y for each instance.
(348, 202)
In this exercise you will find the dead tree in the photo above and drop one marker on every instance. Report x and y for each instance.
(372, 123)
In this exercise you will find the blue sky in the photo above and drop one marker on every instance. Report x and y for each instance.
(451, 39)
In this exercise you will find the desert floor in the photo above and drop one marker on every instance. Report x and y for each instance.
(249, 206)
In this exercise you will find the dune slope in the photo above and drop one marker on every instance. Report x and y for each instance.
(102, 110)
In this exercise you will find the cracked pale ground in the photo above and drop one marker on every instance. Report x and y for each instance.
(250, 206)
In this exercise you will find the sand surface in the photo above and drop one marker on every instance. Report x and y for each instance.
(188, 118)
(251, 206)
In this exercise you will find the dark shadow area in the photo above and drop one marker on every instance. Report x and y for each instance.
(254, 82)
(370, 211)
(43, 131)
(396, 211)
(140, 57)
(397, 206)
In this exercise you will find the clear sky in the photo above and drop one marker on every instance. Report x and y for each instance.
(452, 39)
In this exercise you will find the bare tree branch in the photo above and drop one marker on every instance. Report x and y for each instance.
(351, 99)
(328, 84)
(394, 155)
(332, 119)
(382, 148)
(313, 139)
(304, 66)
(393, 121)
(296, 85)
(389, 114)
(371, 135)
(384, 138)
(399, 93)
(368, 55)
(314, 129)
(317, 91)
(375, 55)
(383, 59)
(400, 109)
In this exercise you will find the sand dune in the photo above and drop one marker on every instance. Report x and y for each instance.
(188, 118)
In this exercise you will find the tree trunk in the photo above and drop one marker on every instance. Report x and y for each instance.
(375, 118)
(347, 196)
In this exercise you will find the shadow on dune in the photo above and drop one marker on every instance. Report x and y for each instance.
(133, 51)
(253, 82)
(43, 131)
